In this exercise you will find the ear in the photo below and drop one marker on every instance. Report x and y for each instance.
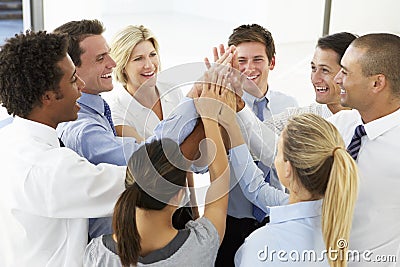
(48, 97)
(272, 63)
(288, 170)
(379, 81)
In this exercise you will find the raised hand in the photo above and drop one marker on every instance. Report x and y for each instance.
(209, 103)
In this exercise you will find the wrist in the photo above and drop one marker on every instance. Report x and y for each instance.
(239, 104)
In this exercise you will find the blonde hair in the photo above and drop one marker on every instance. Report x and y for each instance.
(321, 163)
(122, 45)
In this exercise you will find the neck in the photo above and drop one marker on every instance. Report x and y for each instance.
(146, 96)
(336, 107)
(155, 228)
(37, 116)
(374, 113)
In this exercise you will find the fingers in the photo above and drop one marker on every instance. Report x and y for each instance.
(215, 53)
(221, 49)
(207, 62)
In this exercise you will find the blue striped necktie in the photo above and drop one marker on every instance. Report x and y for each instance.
(355, 144)
(259, 107)
(107, 114)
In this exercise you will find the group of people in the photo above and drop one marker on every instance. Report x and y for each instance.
(108, 181)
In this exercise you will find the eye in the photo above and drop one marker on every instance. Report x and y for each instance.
(324, 70)
(343, 72)
(313, 68)
(258, 60)
(153, 54)
(242, 61)
(74, 79)
(137, 59)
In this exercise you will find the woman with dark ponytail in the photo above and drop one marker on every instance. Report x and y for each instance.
(156, 185)
(312, 225)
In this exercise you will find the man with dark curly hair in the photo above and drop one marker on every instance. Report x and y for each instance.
(47, 191)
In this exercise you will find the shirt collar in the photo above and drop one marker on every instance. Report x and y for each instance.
(249, 99)
(379, 126)
(300, 210)
(94, 102)
(38, 131)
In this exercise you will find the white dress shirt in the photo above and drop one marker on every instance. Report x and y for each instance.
(126, 110)
(293, 230)
(46, 195)
(376, 223)
(278, 121)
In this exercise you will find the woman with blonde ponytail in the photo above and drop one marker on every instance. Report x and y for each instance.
(311, 225)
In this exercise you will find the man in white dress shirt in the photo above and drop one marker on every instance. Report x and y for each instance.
(369, 81)
(47, 191)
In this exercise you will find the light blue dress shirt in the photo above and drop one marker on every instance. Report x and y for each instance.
(239, 206)
(91, 137)
(292, 238)
(6, 121)
(251, 180)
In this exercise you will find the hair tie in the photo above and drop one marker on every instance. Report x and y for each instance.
(336, 148)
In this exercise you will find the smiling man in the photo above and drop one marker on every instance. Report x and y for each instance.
(256, 58)
(47, 191)
(93, 134)
(370, 84)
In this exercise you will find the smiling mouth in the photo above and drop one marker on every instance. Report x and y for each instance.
(106, 76)
(321, 89)
(252, 77)
(148, 74)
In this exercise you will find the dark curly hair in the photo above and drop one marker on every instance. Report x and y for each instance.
(77, 31)
(253, 33)
(29, 68)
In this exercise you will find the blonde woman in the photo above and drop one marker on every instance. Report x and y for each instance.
(312, 162)
(139, 101)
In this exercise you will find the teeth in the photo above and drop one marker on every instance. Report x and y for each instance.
(251, 77)
(108, 75)
(148, 73)
(321, 88)
(342, 90)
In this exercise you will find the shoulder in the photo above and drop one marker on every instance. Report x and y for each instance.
(203, 230)
(345, 119)
(289, 101)
(96, 254)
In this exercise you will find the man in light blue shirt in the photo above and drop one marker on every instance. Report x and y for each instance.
(92, 135)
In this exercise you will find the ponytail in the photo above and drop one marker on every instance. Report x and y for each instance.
(124, 226)
(338, 205)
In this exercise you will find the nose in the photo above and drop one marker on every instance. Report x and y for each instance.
(316, 77)
(148, 63)
(248, 67)
(111, 63)
(81, 84)
(338, 77)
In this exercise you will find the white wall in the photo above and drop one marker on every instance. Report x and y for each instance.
(188, 29)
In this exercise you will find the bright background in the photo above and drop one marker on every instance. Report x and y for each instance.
(187, 30)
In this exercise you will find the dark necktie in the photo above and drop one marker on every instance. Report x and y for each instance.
(61, 142)
(355, 144)
(107, 114)
(259, 107)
